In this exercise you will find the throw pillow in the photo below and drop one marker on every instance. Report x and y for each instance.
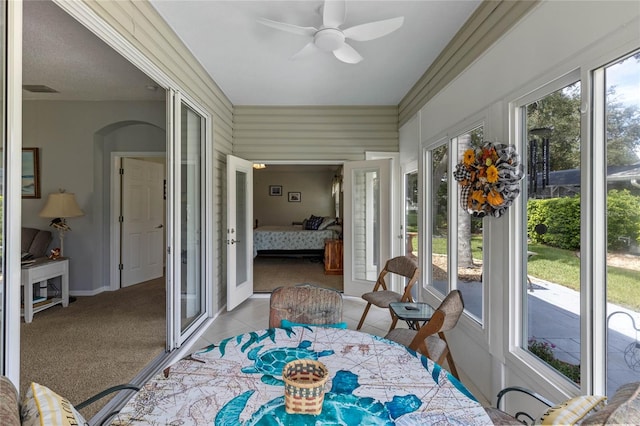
(623, 408)
(572, 411)
(314, 222)
(42, 406)
(285, 323)
(326, 221)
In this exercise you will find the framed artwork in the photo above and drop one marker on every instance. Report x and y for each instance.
(30, 172)
(275, 190)
(295, 197)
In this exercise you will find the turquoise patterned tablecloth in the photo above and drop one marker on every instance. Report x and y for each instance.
(373, 381)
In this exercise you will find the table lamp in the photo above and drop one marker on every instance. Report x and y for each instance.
(60, 206)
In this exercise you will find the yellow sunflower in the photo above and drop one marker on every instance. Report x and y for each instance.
(469, 157)
(492, 174)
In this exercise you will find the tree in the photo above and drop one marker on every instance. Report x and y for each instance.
(560, 111)
(623, 131)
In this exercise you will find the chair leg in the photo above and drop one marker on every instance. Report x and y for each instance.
(364, 314)
(452, 365)
(394, 320)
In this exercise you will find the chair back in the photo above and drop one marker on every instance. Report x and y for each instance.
(452, 306)
(306, 303)
(403, 266)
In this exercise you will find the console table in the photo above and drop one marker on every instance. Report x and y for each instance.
(36, 275)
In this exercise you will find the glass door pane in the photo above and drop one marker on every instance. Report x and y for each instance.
(192, 285)
(366, 231)
(241, 226)
(622, 106)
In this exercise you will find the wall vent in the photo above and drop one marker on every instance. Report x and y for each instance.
(38, 88)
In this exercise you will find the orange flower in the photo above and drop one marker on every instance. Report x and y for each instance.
(494, 198)
(492, 174)
(479, 197)
(469, 157)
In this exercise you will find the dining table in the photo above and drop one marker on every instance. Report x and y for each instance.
(238, 381)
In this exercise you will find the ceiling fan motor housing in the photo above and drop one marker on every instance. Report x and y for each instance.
(329, 39)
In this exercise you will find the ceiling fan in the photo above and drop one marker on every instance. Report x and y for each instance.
(330, 38)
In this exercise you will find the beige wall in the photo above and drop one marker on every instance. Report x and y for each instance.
(314, 186)
(313, 133)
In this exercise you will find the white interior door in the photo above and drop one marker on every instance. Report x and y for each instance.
(239, 231)
(142, 221)
(367, 227)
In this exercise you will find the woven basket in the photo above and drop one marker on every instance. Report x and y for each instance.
(304, 381)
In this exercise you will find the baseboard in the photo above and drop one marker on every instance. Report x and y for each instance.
(93, 292)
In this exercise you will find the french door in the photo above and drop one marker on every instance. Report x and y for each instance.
(191, 233)
(239, 236)
(367, 228)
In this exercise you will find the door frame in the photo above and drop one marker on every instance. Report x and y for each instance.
(115, 209)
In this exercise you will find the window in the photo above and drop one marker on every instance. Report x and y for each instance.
(550, 284)
(456, 247)
(411, 213)
(622, 136)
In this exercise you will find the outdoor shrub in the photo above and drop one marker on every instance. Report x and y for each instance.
(562, 218)
(623, 218)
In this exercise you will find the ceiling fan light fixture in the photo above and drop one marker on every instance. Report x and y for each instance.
(329, 39)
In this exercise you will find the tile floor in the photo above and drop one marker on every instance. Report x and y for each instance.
(253, 314)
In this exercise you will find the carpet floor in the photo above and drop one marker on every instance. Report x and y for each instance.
(272, 272)
(94, 343)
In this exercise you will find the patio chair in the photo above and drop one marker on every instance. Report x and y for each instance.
(381, 296)
(430, 340)
(622, 408)
(305, 304)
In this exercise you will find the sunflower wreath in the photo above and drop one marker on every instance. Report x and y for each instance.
(489, 177)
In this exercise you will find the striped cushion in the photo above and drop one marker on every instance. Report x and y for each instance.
(42, 406)
(573, 410)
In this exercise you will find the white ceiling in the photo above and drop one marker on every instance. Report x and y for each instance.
(249, 61)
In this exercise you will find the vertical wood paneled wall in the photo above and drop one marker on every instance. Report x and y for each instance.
(313, 133)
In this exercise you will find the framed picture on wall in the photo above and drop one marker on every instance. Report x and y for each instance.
(30, 172)
(275, 190)
(295, 197)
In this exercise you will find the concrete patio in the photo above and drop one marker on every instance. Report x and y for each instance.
(553, 312)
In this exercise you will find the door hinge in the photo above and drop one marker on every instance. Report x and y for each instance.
(121, 171)
(120, 219)
(121, 266)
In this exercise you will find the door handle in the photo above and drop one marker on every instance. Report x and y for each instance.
(234, 241)
(160, 226)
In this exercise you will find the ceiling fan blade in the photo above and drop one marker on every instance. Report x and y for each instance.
(308, 50)
(373, 30)
(347, 54)
(295, 29)
(334, 13)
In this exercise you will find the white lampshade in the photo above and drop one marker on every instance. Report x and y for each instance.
(61, 204)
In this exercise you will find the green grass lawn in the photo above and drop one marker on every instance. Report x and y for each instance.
(563, 267)
(440, 246)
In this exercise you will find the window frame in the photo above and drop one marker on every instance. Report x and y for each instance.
(519, 357)
(477, 330)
